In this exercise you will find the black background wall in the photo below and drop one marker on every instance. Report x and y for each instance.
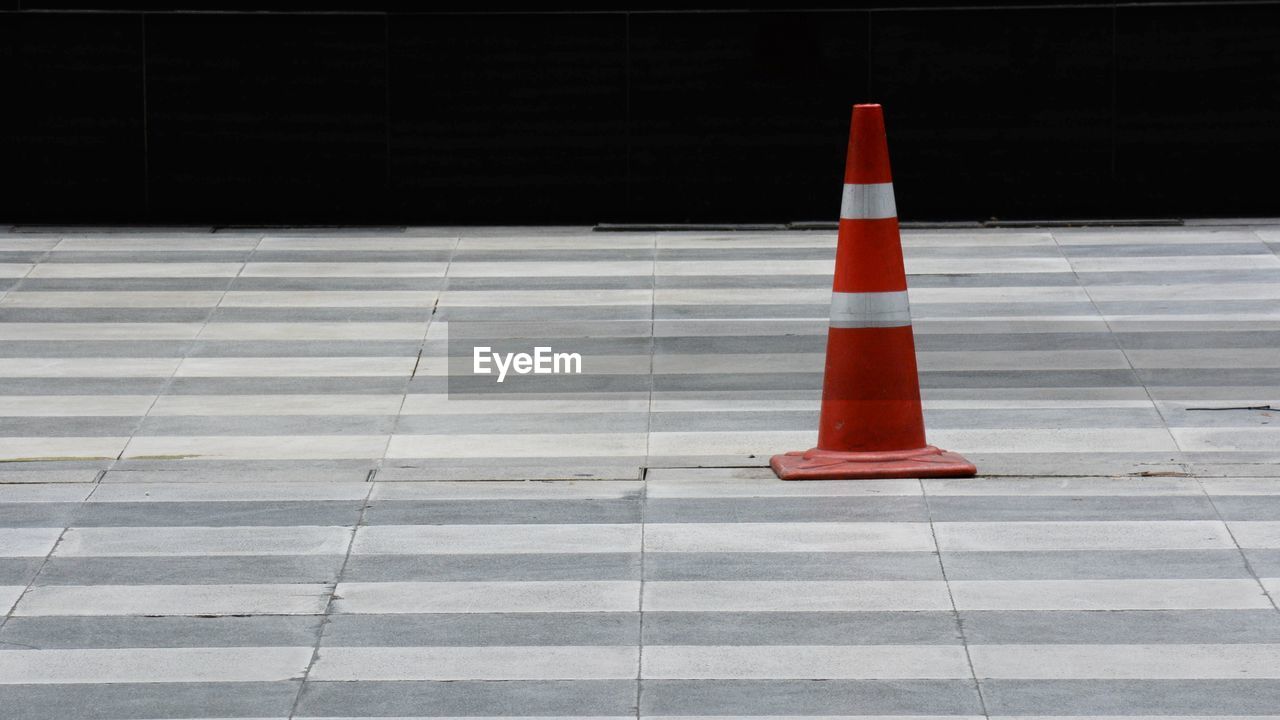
(324, 112)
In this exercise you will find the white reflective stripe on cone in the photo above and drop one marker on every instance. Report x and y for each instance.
(870, 310)
(872, 201)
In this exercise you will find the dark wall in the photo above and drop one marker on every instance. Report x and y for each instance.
(171, 114)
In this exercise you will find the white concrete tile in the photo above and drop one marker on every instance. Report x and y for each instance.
(246, 491)
(1272, 586)
(1187, 291)
(57, 449)
(1063, 486)
(345, 243)
(502, 490)
(280, 331)
(1083, 535)
(185, 242)
(81, 475)
(1127, 662)
(153, 665)
(543, 298)
(1236, 439)
(1108, 595)
(585, 241)
(111, 299)
(330, 298)
(603, 268)
(176, 541)
(788, 537)
(51, 492)
(508, 538)
(1256, 534)
(1206, 358)
(530, 445)
(87, 367)
(554, 662)
(344, 269)
(759, 443)
(9, 595)
(1055, 440)
(215, 405)
(99, 331)
(256, 447)
(444, 404)
(297, 367)
(75, 405)
(820, 662)
(488, 597)
(1175, 263)
(135, 270)
(257, 599)
(1241, 485)
(796, 596)
(17, 243)
(678, 484)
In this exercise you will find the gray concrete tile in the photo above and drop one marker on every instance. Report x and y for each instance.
(238, 471)
(160, 632)
(178, 425)
(800, 628)
(482, 629)
(104, 315)
(1266, 563)
(1172, 627)
(90, 284)
(304, 348)
(482, 512)
(215, 514)
(190, 570)
(94, 348)
(513, 567)
(1101, 565)
(19, 570)
(743, 698)
(1131, 697)
(149, 700)
(320, 314)
(284, 385)
(999, 508)
(452, 699)
(786, 509)
(82, 386)
(68, 426)
(791, 566)
(1248, 507)
(511, 420)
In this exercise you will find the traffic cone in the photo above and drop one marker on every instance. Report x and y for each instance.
(872, 425)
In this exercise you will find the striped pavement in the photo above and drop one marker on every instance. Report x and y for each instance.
(233, 479)
(695, 593)
(326, 355)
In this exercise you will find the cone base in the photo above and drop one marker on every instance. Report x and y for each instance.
(925, 462)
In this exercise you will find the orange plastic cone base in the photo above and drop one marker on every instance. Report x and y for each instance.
(925, 462)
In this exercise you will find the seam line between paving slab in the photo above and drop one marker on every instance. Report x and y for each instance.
(955, 612)
(328, 606)
(34, 576)
(422, 348)
(1248, 566)
(189, 348)
(644, 497)
(1164, 421)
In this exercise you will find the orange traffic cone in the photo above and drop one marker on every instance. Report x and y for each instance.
(871, 424)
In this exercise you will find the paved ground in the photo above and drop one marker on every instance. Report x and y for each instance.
(191, 423)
